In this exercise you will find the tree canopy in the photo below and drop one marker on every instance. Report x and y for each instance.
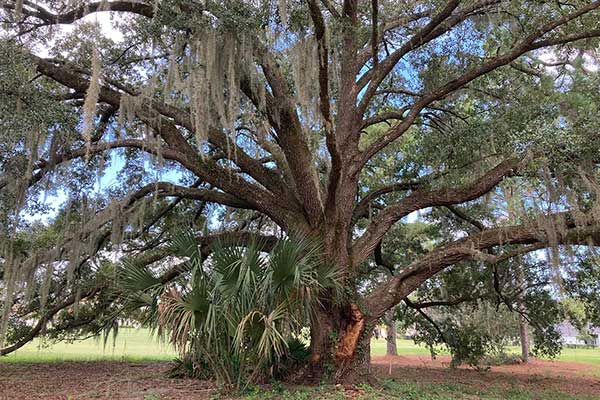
(339, 120)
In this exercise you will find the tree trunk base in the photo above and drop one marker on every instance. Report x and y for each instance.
(340, 347)
(346, 373)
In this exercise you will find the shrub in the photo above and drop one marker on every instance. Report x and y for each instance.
(236, 314)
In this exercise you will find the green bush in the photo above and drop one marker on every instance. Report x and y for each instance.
(237, 314)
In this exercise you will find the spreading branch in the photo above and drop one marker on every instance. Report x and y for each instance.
(531, 42)
(47, 317)
(418, 200)
(529, 234)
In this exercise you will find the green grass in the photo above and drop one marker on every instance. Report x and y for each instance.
(586, 356)
(139, 345)
(378, 347)
(131, 345)
(406, 390)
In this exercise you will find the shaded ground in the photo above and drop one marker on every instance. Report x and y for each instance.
(538, 375)
(96, 380)
(404, 377)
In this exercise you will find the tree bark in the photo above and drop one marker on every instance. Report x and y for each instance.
(391, 334)
(524, 334)
(523, 325)
(340, 345)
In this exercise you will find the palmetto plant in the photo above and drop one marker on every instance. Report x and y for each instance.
(236, 311)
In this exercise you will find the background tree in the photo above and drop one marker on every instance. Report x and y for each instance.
(391, 334)
(334, 119)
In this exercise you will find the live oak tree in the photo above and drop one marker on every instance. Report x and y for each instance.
(334, 119)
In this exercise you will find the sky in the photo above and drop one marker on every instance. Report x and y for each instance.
(103, 19)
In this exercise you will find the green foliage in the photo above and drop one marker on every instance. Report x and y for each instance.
(474, 334)
(408, 389)
(240, 298)
(545, 313)
(16, 329)
(239, 318)
(582, 285)
(189, 366)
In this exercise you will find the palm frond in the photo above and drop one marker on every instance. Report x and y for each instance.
(238, 309)
(185, 244)
(133, 277)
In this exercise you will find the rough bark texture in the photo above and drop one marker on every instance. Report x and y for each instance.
(391, 334)
(340, 345)
(524, 334)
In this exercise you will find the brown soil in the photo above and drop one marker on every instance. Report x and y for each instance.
(128, 381)
(537, 375)
(96, 380)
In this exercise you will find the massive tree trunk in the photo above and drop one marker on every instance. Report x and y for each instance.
(341, 329)
(340, 344)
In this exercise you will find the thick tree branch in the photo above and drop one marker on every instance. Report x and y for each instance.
(375, 31)
(208, 170)
(530, 234)
(284, 118)
(266, 177)
(43, 166)
(167, 189)
(47, 317)
(419, 200)
(323, 51)
(363, 205)
(531, 42)
(31, 9)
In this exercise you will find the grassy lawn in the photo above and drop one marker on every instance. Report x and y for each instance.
(378, 347)
(139, 345)
(130, 345)
(586, 356)
(403, 390)
(134, 345)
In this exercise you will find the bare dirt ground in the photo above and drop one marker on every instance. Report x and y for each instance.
(537, 375)
(96, 380)
(146, 381)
